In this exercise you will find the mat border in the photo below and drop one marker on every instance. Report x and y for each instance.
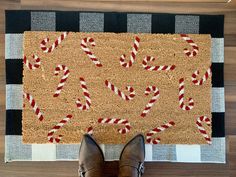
(216, 32)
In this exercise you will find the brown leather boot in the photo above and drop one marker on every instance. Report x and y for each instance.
(132, 158)
(91, 158)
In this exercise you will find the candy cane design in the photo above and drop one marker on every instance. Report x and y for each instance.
(201, 129)
(86, 95)
(63, 79)
(119, 93)
(156, 92)
(203, 79)
(54, 45)
(132, 56)
(156, 68)
(181, 97)
(84, 46)
(157, 140)
(125, 122)
(33, 104)
(90, 130)
(32, 66)
(56, 128)
(195, 48)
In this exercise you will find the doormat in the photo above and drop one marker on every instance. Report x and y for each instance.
(16, 150)
(81, 76)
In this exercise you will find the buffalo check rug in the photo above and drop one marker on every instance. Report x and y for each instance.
(17, 22)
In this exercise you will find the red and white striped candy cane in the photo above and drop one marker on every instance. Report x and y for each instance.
(86, 95)
(156, 68)
(90, 130)
(56, 128)
(125, 122)
(119, 93)
(203, 79)
(33, 104)
(63, 79)
(149, 135)
(181, 97)
(156, 92)
(84, 46)
(132, 56)
(201, 129)
(54, 45)
(195, 48)
(32, 66)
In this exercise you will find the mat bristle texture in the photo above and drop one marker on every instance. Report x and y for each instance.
(168, 50)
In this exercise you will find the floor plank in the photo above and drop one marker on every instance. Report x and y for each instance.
(128, 6)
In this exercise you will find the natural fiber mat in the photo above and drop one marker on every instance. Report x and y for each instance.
(151, 23)
(90, 67)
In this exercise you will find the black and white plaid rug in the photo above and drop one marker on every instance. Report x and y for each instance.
(19, 21)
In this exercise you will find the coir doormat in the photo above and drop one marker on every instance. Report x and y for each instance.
(19, 21)
(160, 73)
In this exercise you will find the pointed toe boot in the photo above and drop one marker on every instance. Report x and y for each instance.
(132, 158)
(91, 158)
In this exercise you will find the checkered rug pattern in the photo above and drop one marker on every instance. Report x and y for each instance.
(18, 21)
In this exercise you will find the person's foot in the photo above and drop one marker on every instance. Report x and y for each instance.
(91, 158)
(132, 158)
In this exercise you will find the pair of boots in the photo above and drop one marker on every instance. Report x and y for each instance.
(91, 158)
